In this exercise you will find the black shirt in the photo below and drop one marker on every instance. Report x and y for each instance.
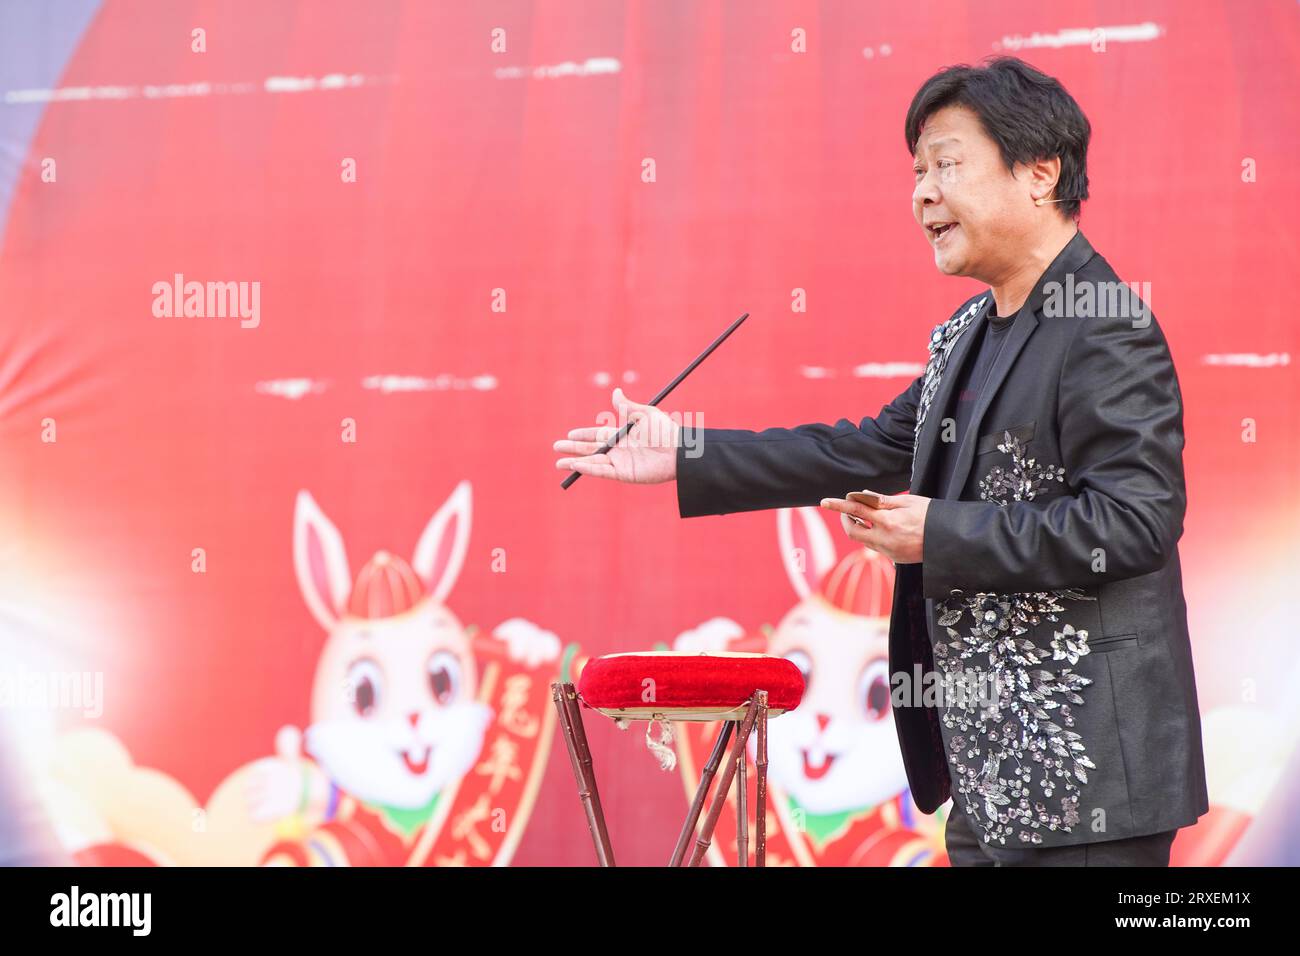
(970, 382)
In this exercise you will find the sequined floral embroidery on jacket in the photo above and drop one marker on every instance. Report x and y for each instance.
(1019, 763)
(1025, 479)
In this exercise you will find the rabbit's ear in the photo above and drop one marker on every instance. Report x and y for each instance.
(441, 550)
(320, 562)
(807, 550)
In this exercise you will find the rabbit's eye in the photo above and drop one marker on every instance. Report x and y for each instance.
(444, 676)
(801, 660)
(873, 689)
(363, 686)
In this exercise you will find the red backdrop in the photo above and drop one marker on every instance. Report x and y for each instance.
(481, 170)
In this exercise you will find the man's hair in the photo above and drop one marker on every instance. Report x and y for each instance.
(1027, 113)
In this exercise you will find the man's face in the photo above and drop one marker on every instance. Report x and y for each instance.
(962, 181)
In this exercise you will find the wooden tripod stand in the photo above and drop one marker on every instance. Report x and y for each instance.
(754, 715)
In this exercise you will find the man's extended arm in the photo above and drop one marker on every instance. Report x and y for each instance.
(1120, 416)
(742, 470)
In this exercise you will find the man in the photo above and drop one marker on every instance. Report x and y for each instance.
(1039, 652)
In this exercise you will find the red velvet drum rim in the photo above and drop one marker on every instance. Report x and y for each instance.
(688, 681)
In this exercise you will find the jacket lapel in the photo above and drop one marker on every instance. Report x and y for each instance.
(929, 437)
(1070, 259)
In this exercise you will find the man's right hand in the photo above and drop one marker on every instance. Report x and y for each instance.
(646, 455)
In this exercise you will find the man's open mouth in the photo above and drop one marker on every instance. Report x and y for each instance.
(938, 230)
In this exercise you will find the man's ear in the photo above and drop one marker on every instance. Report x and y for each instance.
(1044, 174)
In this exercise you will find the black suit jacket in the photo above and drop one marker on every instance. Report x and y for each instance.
(1050, 593)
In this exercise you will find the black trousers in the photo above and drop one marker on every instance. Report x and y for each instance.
(966, 848)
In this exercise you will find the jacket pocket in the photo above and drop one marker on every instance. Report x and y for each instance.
(1115, 642)
(990, 442)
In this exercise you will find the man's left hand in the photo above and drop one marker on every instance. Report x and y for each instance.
(896, 529)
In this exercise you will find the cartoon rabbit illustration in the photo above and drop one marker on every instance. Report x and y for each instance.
(835, 769)
(399, 714)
